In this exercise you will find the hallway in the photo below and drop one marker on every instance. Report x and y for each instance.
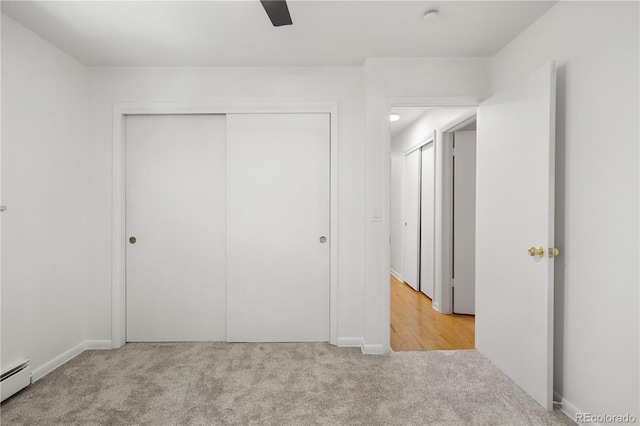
(416, 326)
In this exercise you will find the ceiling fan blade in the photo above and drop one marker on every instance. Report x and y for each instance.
(278, 12)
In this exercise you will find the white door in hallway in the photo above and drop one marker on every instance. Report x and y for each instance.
(411, 215)
(278, 227)
(515, 211)
(464, 223)
(175, 221)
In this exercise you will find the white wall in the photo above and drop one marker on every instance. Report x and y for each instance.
(232, 85)
(110, 85)
(386, 81)
(44, 185)
(596, 47)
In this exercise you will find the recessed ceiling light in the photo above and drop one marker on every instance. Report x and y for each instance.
(394, 117)
(431, 15)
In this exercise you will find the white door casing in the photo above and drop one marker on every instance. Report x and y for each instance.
(278, 227)
(464, 222)
(175, 196)
(427, 221)
(411, 215)
(514, 211)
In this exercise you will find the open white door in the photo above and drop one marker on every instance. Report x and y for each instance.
(464, 222)
(515, 211)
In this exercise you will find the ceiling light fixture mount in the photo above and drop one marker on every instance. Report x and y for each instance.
(277, 11)
(430, 15)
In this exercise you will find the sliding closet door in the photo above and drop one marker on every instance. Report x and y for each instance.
(278, 227)
(175, 220)
(411, 214)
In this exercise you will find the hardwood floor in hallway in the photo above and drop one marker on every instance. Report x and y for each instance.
(416, 326)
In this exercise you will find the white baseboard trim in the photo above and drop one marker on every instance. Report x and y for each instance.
(436, 306)
(98, 344)
(372, 349)
(571, 410)
(397, 275)
(67, 356)
(56, 362)
(350, 342)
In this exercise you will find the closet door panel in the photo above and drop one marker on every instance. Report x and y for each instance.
(278, 227)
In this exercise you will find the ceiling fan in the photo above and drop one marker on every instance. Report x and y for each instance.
(277, 11)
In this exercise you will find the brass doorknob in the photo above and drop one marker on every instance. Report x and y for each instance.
(553, 252)
(536, 251)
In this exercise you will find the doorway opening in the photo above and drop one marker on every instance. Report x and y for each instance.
(515, 199)
(432, 228)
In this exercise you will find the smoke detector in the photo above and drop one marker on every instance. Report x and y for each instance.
(431, 15)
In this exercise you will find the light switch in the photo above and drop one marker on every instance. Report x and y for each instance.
(375, 215)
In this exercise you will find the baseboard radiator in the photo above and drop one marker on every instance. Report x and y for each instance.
(14, 379)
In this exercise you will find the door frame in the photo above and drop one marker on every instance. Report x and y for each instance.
(118, 235)
(442, 217)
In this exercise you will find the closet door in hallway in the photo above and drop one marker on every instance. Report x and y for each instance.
(175, 221)
(411, 215)
(278, 227)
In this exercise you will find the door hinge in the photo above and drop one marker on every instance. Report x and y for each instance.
(453, 282)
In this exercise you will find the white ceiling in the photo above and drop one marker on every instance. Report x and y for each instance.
(407, 117)
(238, 33)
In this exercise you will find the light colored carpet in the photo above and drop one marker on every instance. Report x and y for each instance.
(274, 384)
